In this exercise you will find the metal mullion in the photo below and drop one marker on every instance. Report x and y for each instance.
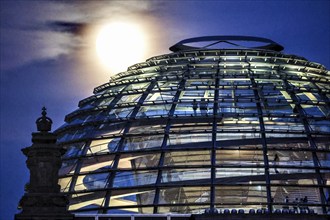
(263, 135)
(320, 93)
(120, 146)
(214, 137)
(109, 85)
(119, 149)
(78, 167)
(115, 165)
(143, 97)
(189, 166)
(117, 156)
(164, 144)
(114, 101)
(160, 164)
(193, 184)
(311, 142)
(117, 98)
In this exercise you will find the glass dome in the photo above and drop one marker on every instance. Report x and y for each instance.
(202, 128)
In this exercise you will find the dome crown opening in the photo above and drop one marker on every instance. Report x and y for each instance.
(229, 40)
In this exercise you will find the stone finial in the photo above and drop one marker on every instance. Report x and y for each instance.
(44, 124)
(43, 199)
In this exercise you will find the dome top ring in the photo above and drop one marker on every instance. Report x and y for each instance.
(270, 45)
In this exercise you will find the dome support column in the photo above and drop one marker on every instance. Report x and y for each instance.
(263, 137)
(43, 200)
(166, 137)
(301, 115)
(216, 120)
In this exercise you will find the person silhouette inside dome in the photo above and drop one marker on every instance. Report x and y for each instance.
(203, 106)
(276, 161)
(195, 106)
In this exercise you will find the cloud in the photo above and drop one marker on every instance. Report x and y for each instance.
(75, 28)
(38, 30)
(30, 46)
(25, 36)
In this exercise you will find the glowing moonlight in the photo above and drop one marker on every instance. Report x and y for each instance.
(120, 45)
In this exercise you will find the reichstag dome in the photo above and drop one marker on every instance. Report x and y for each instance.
(200, 129)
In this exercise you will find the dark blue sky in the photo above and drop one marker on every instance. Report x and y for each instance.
(48, 55)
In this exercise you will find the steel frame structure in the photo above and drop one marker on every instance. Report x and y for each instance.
(202, 129)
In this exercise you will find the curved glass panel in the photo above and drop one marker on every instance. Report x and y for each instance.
(201, 128)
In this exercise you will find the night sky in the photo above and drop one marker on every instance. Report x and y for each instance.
(48, 55)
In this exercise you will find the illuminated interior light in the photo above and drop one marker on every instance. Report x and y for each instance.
(175, 118)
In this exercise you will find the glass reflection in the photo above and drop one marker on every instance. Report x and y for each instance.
(177, 195)
(131, 197)
(181, 158)
(134, 178)
(177, 175)
(142, 142)
(136, 161)
(247, 105)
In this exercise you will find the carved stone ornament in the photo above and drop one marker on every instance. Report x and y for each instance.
(43, 199)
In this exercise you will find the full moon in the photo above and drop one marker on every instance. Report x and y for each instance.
(120, 45)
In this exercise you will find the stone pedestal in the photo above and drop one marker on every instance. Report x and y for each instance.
(43, 200)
